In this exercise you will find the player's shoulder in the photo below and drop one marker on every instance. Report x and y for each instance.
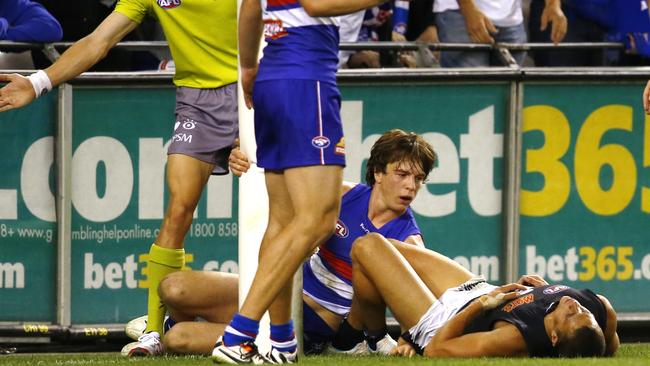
(134, 8)
(348, 186)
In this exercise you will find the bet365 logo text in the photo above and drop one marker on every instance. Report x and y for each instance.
(132, 274)
(604, 171)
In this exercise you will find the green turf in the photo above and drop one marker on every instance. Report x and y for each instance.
(629, 354)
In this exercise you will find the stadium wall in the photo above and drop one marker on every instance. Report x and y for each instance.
(540, 171)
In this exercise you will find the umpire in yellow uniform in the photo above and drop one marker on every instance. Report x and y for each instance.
(202, 37)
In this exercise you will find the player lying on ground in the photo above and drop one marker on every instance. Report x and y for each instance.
(448, 312)
(399, 163)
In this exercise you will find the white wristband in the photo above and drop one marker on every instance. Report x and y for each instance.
(41, 82)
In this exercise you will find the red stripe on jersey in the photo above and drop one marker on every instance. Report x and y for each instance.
(274, 3)
(341, 267)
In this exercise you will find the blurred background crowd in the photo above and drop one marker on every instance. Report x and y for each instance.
(626, 22)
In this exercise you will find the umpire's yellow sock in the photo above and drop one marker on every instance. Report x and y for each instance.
(162, 261)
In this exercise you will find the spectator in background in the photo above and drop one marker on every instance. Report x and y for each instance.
(79, 18)
(623, 21)
(386, 22)
(377, 27)
(489, 21)
(27, 21)
(398, 21)
(349, 32)
(580, 29)
(421, 27)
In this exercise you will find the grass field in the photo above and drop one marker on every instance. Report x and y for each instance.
(629, 354)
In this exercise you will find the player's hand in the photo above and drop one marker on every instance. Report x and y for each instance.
(553, 14)
(479, 27)
(404, 350)
(500, 295)
(247, 81)
(532, 280)
(238, 162)
(646, 98)
(17, 93)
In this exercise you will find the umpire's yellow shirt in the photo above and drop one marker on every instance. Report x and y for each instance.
(202, 37)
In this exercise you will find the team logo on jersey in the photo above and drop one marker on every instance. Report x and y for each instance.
(363, 227)
(320, 142)
(512, 305)
(168, 4)
(273, 29)
(555, 289)
(341, 230)
(339, 149)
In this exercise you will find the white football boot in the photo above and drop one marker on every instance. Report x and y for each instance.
(384, 346)
(278, 357)
(242, 353)
(148, 344)
(360, 349)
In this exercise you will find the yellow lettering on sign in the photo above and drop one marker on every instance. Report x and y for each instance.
(591, 157)
(588, 264)
(645, 192)
(546, 161)
(626, 268)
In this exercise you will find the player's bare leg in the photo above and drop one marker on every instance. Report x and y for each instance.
(186, 177)
(194, 338)
(421, 274)
(280, 216)
(190, 294)
(378, 267)
(209, 295)
(315, 195)
(437, 271)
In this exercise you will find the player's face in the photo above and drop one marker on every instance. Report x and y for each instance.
(401, 183)
(570, 315)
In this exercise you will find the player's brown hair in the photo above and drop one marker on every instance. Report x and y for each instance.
(399, 146)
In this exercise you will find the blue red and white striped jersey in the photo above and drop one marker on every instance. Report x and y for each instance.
(327, 277)
(298, 46)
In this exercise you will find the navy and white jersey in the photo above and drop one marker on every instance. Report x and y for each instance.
(298, 46)
(327, 276)
(527, 313)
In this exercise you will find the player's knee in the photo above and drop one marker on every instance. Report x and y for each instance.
(171, 289)
(176, 339)
(365, 246)
(180, 210)
(316, 228)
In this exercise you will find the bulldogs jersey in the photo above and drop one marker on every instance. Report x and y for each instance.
(298, 46)
(327, 277)
(527, 312)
